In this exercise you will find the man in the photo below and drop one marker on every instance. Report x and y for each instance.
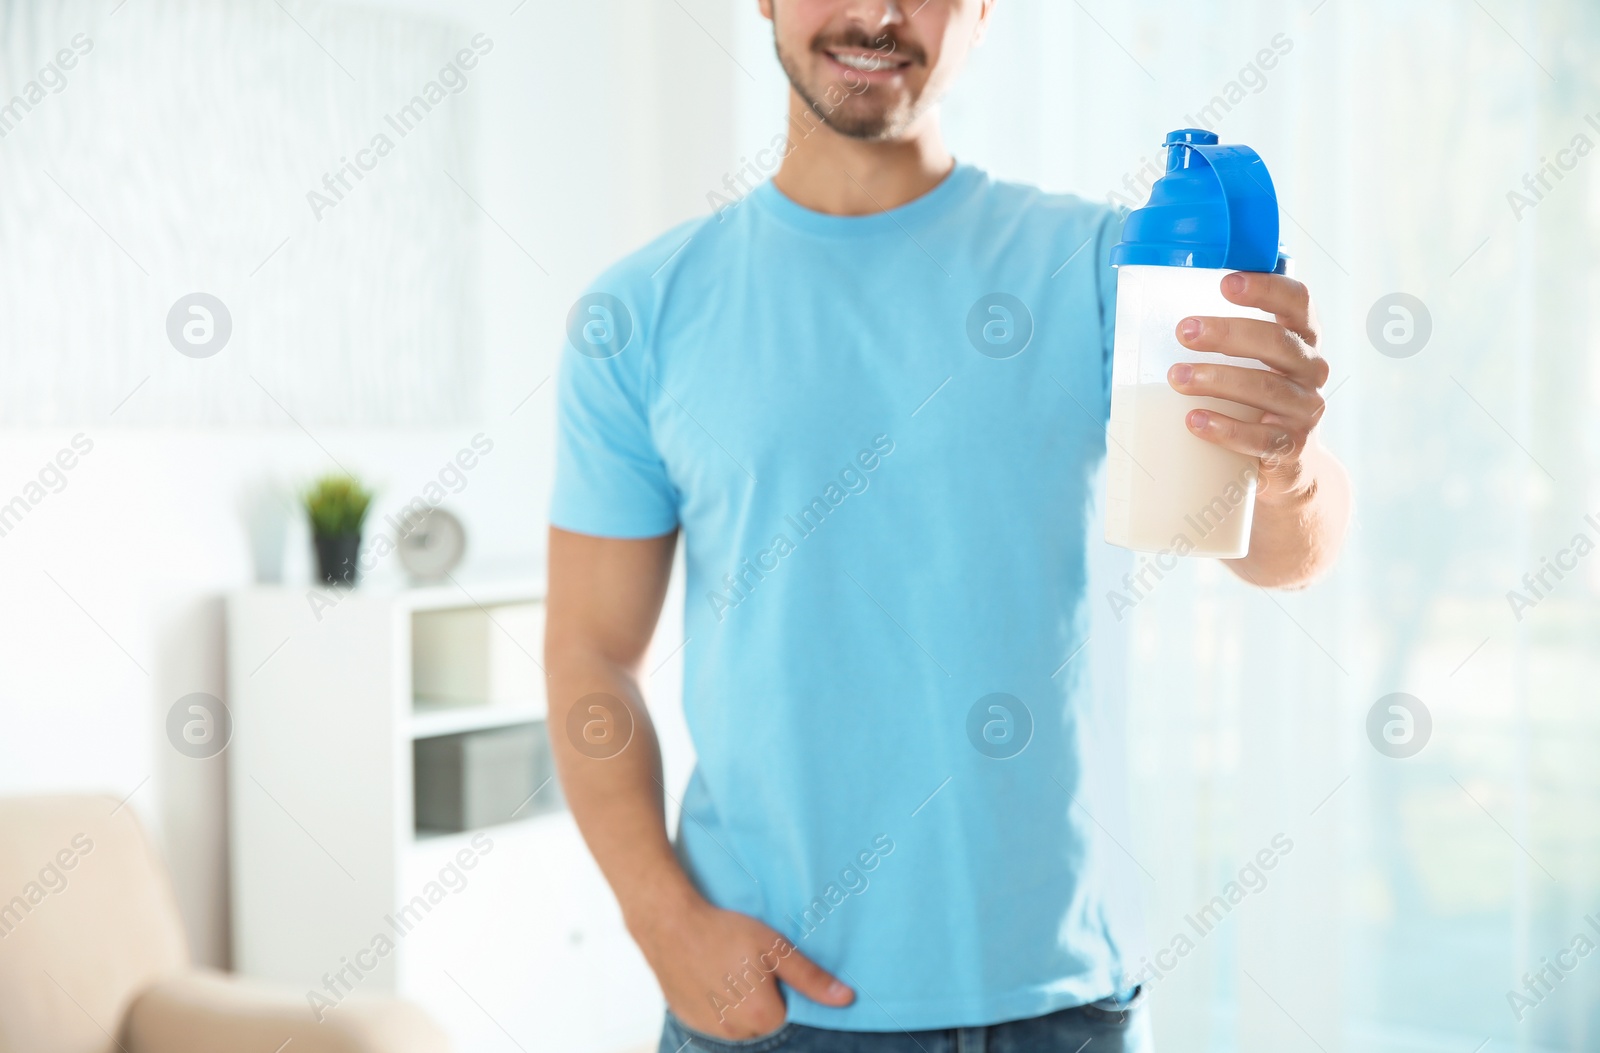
(886, 526)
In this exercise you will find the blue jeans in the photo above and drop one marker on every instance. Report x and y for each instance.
(1108, 1026)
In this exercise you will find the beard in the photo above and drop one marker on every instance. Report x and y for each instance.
(869, 112)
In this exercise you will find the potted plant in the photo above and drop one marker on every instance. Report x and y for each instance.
(337, 506)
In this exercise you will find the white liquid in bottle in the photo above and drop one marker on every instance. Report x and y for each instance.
(1167, 488)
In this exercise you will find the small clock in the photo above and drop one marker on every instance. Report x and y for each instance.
(431, 543)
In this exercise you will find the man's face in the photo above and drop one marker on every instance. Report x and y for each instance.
(871, 68)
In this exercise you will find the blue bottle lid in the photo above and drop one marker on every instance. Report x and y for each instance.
(1215, 207)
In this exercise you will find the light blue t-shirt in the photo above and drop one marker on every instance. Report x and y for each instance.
(882, 439)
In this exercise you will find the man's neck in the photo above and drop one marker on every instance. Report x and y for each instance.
(833, 173)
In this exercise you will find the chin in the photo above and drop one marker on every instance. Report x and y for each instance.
(865, 119)
(871, 132)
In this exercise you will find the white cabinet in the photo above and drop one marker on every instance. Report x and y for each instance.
(508, 935)
(468, 655)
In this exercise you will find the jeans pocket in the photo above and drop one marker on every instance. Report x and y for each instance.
(1117, 1009)
(687, 1039)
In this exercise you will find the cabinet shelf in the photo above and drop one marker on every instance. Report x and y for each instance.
(428, 844)
(431, 719)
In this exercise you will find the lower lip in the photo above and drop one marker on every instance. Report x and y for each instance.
(878, 76)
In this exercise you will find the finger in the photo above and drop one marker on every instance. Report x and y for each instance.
(1276, 345)
(1271, 442)
(1282, 297)
(762, 1013)
(1258, 388)
(810, 979)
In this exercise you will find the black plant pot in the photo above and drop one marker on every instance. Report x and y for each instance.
(336, 557)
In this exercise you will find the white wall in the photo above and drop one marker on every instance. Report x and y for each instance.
(598, 124)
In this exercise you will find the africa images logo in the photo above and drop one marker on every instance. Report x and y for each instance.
(599, 325)
(854, 478)
(999, 726)
(1399, 725)
(199, 325)
(999, 326)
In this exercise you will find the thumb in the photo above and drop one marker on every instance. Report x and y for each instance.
(809, 978)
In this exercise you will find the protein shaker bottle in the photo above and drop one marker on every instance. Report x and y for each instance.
(1213, 212)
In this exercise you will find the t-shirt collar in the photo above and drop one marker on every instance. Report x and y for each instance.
(961, 180)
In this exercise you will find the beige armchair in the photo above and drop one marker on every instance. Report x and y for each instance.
(93, 957)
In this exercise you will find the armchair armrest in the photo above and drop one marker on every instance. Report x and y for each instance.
(200, 1012)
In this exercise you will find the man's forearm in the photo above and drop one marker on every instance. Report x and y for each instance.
(1296, 536)
(617, 800)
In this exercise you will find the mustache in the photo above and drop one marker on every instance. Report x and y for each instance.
(883, 43)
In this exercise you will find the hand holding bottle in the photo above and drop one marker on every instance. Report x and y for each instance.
(1287, 393)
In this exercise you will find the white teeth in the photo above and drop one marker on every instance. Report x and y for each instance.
(864, 63)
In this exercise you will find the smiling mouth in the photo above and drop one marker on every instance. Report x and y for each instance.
(862, 60)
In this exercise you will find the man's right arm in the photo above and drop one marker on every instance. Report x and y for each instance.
(605, 598)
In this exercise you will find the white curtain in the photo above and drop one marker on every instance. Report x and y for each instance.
(303, 167)
(1418, 891)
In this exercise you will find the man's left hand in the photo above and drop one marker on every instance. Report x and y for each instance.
(1287, 392)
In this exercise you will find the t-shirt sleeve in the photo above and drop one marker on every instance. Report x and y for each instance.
(1110, 232)
(610, 479)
